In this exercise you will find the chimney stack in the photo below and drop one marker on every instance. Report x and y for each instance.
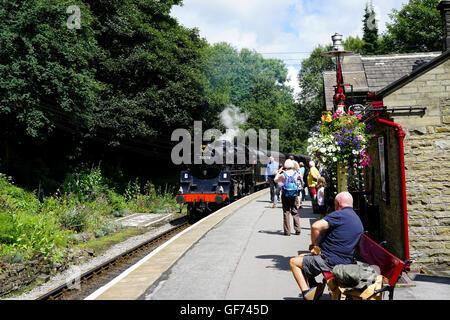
(444, 7)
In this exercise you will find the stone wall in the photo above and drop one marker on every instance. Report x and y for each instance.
(427, 164)
(37, 270)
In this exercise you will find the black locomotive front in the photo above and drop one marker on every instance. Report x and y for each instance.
(207, 187)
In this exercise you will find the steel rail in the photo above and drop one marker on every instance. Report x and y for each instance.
(61, 290)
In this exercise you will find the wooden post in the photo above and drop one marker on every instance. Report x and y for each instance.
(341, 178)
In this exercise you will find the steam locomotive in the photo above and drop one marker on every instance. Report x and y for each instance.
(205, 188)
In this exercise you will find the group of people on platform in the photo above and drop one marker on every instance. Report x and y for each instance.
(333, 237)
(294, 176)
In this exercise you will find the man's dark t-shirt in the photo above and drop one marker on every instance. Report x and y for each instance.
(342, 236)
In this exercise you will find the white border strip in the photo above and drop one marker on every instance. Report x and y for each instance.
(100, 291)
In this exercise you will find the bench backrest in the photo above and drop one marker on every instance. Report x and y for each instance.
(374, 254)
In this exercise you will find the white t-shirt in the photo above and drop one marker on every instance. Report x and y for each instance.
(321, 196)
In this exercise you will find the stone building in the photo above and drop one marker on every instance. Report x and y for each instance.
(414, 129)
(426, 93)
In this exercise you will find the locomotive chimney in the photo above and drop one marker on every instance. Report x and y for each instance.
(444, 7)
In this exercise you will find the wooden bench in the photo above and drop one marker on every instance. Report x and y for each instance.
(372, 253)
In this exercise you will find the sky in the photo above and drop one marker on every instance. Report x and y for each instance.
(284, 29)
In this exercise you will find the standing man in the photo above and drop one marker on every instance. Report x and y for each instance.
(344, 228)
(271, 170)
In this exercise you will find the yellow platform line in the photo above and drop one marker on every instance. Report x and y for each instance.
(134, 281)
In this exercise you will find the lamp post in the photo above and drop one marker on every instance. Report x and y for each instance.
(336, 54)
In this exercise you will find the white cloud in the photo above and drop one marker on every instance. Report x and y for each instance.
(279, 26)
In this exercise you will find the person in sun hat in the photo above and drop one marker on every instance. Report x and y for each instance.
(290, 191)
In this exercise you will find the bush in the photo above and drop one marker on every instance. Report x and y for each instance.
(74, 218)
(86, 183)
(25, 232)
(132, 190)
(117, 202)
(17, 198)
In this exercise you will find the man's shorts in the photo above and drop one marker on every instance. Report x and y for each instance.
(312, 191)
(313, 265)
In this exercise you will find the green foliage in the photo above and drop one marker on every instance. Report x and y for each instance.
(130, 71)
(21, 225)
(417, 26)
(47, 78)
(29, 232)
(74, 218)
(257, 86)
(15, 198)
(151, 71)
(370, 31)
(85, 183)
(117, 202)
(132, 189)
(311, 85)
(354, 44)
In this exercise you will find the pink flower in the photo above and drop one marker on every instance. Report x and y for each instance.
(334, 115)
(359, 116)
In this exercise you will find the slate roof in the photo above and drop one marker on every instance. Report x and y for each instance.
(417, 72)
(385, 69)
(373, 73)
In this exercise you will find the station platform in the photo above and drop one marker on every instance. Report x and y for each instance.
(236, 253)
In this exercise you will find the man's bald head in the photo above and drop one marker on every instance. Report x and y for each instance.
(342, 200)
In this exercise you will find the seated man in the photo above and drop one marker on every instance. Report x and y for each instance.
(343, 230)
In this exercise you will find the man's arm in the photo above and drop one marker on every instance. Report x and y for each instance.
(316, 228)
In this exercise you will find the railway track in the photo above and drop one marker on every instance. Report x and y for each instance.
(103, 273)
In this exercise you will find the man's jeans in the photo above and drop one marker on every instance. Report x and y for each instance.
(273, 187)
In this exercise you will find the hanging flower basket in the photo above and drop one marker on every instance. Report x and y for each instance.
(343, 138)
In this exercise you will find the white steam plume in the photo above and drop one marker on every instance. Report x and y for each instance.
(232, 118)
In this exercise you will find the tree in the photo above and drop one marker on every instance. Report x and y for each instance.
(417, 26)
(311, 84)
(152, 69)
(130, 74)
(354, 44)
(46, 74)
(311, 99)
(257, 86)
(370, 31)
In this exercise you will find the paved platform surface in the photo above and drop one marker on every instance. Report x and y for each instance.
(245, 257)
(242, 255)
